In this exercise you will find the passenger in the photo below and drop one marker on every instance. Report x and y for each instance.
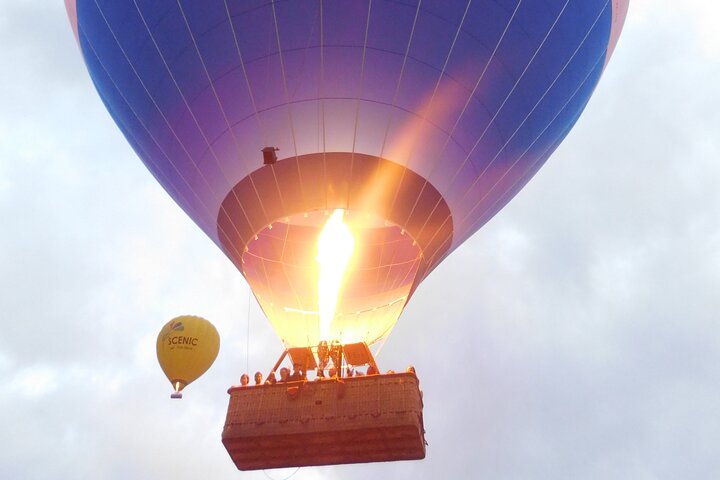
(371, 370)
(271, 380)
(284, 375)
(297, 375)
(319, 373)
(244, 380)
(258, 378)
(332, 372)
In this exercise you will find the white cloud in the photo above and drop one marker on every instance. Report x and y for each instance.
(33, 382)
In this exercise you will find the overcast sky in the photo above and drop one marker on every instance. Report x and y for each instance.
(576, 336)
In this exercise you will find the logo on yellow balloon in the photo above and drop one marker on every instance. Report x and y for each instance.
(182, 342)
(173, 326)
(177, 341)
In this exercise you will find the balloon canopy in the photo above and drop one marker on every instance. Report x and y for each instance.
(186, 347)
(419, 120)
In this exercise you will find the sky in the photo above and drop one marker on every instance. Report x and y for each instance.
(576, 335)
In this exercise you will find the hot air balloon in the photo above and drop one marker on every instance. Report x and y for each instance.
(186, 347)
(399, 127)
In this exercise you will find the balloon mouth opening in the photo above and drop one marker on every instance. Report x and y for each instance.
(269, 224)
(178, 385)
(281, 265)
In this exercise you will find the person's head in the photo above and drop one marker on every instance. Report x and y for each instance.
(372, 370)
(258, 378)
(332, 372)
(297, 367)
(244, 380)
(284, 374)
(411, 369)
(271, 378)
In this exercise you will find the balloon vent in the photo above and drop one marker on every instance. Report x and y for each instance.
(375, 418)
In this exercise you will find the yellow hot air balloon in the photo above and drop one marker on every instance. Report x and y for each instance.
(186, 347)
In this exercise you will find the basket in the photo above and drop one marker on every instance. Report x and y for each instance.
(375, 418)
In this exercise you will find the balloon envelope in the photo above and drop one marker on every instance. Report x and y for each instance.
(419, 119)
(186, 347)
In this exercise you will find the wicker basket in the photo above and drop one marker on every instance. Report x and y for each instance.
(355, 420)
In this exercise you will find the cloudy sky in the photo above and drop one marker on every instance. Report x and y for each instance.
(575, 336)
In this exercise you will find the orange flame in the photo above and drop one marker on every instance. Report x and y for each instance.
(335, 248)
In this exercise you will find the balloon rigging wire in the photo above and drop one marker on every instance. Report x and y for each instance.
(384, 341)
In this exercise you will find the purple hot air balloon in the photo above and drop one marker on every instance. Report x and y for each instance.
(411, 123)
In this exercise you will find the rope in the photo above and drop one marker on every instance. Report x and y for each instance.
(286, 478)
(247, 335)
